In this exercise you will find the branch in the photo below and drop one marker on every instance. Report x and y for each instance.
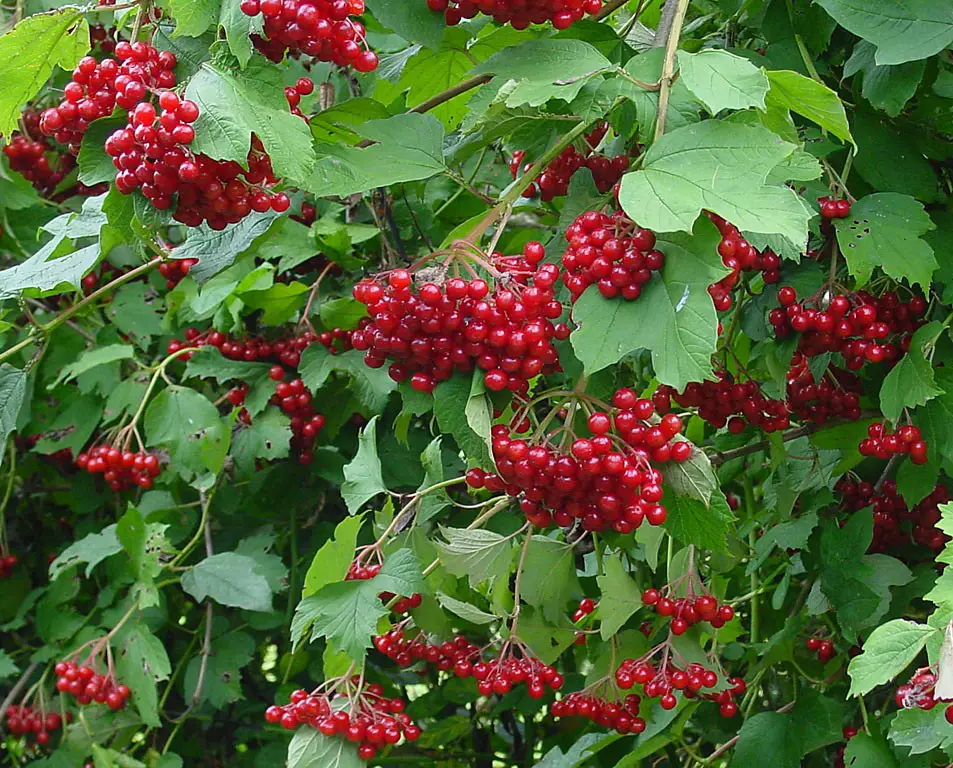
(720, 457)
(451, 93)
(609, 8)
(678, 10)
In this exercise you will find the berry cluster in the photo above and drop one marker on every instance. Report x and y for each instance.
(97, 88)
(283, 352)
(920, 693)
(358, 572)
(86, 685)
(622, 717)
(553, 180)
(891, 513)
(726, 699)
(175, 271)
(686, 612)
(606, 481)
(294, 398)
(862, 327)
(727, 402)
(152, 154)
(303, 87)
(33, 722)
(834, 209)
(823, 648)
(837, 396)
(499, 675)
(120, 469)
(367, 718)
(102, 39)
(29, 157)
(453, 655)
(739, 256)
(611, 251)
(322, 29)
(664, 680)
(428, 333)
(7, 563)
(882, 444)
(519, 14)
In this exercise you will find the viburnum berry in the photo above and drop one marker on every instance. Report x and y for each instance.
(895, 525)
(357, 713)
(862, 327)
(611, 251)
(322, 29)
(553, 180)
(883, 444)
(429, 331)
(8, 562)
(739, 256)
(359, 572)
(518, 13)
(604, 482)
(456, 655)
(823, 648)
(84, 684)
(919, 692)
(120, 468)
(174, 271)
(97, 88)
(622, 716)
(34, 722)
(834, 209)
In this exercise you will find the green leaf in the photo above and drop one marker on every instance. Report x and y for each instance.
(144, 543)
(209, 363)
(545, 69)
(239, 28)
(7, 666)
(863, 751)
(279, 303)
(218, 250)
(767, 739)
(885, 230)
(93, 358)
(720, 167)
(331, 562)
(621, 596)
(346, 613)
(234, 105)
(810, 99)
(91, 549)
(886, 87)
(694, 478)
(433, 503)
(902, 30)
(911, 382)
(95, 166)
(229, 579)
(887, 652)
(49, 269)
(31, 51)
(477, 554)
(891, 161)
(271, 566)
(465, 611)
(459, 404)
(194, 17)
(222, 685)
(363, 476)
(142, 663)
(12, 392)
(135, 310)
(190, 426)
(722, 80)
(405, 148)
(920, 730)
(309, 748)
(549, 580)
(372, 386)
(694, 522)
(674, 317)
(268, 437)
(414, 22)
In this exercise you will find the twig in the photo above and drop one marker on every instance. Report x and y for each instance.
(668, 67)
(720, 457)
(15, 690)
(451, 93)
(611, 7)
